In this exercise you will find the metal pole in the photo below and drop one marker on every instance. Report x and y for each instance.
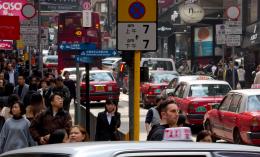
(39, 39)
(30, 59)
(87, 99)
(137, 55)
(77, 101)
(233, 70)
(131, 100)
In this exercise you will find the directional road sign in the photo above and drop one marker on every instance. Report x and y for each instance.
(83, 59)
(77, 46)
(99, 53)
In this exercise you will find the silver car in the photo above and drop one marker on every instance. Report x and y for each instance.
(137, 149)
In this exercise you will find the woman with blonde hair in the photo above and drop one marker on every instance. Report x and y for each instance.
(78, 134)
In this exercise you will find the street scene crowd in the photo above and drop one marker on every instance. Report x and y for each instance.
(34, 110)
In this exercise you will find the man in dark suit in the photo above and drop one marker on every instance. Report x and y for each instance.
(11, 75)
(229, 75)
(107, 123)
(22, 88)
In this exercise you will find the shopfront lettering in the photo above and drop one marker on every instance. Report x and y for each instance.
(11, 6)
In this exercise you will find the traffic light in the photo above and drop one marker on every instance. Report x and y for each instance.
(144, 74)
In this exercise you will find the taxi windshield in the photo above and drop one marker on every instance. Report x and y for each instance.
(104, 76)
(204, 90)
(162, 77)
(253, 103)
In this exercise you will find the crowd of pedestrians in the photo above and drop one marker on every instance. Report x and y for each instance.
(35, 111)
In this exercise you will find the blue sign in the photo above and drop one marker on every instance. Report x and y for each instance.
(137, 10)
(77, 46)
(84, 59)
(99, 53)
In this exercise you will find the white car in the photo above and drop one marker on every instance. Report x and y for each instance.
(72, 72)
(165, 64)
(111, 63)
(137, 149)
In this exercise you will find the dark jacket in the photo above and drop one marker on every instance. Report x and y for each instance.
(6, 76)
(156, 133)
(24, 91)
(66, 96)
(229, 77)
(72, 88)
(45, 123)
(104, 131)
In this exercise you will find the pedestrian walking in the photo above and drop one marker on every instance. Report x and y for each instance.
(257, 75)
(15, 132)
(169, 113)
(55, 117)
(22, 88)
(2, 119)
(153, 116)
(61, 88)
(45, 91)
(6, 109)
(241, 76)
(229, 76)
(36, 106)
(70, 84)
(108, 123)
(11, 75)
(58, 136)
(204, 136)
(78, 134)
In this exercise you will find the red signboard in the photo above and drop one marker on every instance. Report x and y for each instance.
(12, 8)
(9, 28)
(5, 45)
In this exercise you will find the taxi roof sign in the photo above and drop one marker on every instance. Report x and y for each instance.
(177, 134)
(137, 11)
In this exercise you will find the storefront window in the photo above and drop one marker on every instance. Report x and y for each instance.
(252, 11)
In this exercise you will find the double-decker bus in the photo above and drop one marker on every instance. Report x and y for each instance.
(70, 30)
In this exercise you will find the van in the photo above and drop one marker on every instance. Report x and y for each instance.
(165, 64)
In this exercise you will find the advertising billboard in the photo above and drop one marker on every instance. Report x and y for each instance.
(203, 41)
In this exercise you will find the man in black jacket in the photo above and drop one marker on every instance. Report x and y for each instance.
(169, 113)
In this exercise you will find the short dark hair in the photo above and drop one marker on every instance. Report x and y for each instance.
(12, 99)
(57, 136)
(108, 101)
(66, 72)
(163, 106)
(201, 135)
(21, 75)
(55, 94)
(22, 107)
(59, 79)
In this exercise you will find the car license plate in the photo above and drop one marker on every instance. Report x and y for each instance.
(158, 91)
(201, 109)
(99, 88)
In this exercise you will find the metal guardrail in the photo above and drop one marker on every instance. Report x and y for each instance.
(80, 118)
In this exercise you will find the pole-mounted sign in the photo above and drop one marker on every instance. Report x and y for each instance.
(137, 25)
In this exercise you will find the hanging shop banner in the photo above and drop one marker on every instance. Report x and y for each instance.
(9, 30)
(203, 41)
(12, 8)
(6, 45)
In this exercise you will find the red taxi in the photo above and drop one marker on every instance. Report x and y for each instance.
(158, 80)
(237, 119)
(102, 86)
(196, 97)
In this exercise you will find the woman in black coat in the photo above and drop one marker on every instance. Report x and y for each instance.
(108, 122)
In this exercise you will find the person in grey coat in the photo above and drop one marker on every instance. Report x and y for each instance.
(15, 133)
(22, 88)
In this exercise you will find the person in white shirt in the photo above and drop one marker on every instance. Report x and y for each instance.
(257, 75)
(241, 76)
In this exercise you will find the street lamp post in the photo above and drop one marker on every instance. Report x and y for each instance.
(39, 38)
